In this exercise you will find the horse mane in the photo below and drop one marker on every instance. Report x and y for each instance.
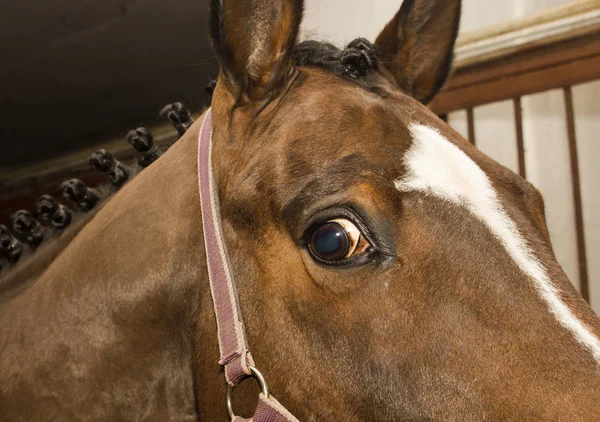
(351, 63)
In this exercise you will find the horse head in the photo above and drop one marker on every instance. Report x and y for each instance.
(387, 269)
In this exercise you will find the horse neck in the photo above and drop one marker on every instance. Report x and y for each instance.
(122, 300)
(147, 237)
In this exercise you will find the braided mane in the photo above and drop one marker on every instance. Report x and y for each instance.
(32, 240)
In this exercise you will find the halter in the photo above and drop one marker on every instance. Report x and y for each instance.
(233, 345)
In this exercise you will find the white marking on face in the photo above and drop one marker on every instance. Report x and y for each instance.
(437, 167)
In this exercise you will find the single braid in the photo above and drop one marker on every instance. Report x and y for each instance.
(179, 116)
(10, 247)
(143, 142)
(27, 228)
(359, 57)
(49, 210)
(104, 162)
(76, 191)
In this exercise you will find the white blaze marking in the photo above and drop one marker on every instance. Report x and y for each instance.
(436, 166)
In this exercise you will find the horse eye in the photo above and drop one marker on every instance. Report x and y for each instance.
(336, 240)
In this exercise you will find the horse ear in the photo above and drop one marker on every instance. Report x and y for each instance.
(417, 45)
(254, 40)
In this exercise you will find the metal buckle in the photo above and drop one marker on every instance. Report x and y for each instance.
(254, 373)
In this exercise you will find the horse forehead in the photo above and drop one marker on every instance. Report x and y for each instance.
(436, 165)
(367, 126)
(329, 104)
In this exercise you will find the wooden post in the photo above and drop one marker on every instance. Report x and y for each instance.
(579, 225)
(471, 124)
(520, 142)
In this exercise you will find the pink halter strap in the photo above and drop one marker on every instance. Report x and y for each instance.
(233, 346)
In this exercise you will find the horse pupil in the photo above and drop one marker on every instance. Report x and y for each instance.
(330, 242)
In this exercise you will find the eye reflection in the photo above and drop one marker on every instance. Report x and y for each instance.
(336, 240)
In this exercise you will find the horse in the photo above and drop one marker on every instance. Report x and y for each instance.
(386, 269)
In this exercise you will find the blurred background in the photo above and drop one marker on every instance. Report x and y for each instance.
(77, 75)
(77, 71)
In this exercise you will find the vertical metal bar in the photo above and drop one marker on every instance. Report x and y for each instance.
(520, 142)
(581, 252)
(471, 124)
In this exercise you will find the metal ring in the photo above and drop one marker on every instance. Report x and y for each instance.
(254, 373)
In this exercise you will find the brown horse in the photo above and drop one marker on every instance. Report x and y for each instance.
(387, 270)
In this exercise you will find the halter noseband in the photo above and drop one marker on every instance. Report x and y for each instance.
(233, 345)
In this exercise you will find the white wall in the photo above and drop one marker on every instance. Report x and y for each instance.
(547, 157)
(479, 14)
(586, 99)
(549, 169)
(340, 21)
